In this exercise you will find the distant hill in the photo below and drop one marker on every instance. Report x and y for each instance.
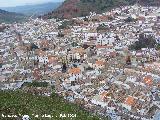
(76, 8)
(10, 17)
(38, 9)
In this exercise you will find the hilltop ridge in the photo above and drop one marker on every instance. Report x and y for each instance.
(10, 17)
(77, 8)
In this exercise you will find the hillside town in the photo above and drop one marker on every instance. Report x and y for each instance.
(89, 61)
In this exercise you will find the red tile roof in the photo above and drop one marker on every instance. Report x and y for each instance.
(75, 71)
(129, 101)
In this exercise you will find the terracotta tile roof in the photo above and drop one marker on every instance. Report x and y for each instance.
(101, 46)
(158, 85)
(74, 71)
(148, 80)
(148, 68)
(104, 46)
(113, 54)
(141, 18)
(52, 59)
(129, 101)
(103, 17)
(36, 73)
(127, 70)
(1, 59)
(78, 50)
(40, 52)
(20, 48)
(44, 43)
(104, 94)
(100, 62)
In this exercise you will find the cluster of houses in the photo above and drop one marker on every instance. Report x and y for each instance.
(91, 67)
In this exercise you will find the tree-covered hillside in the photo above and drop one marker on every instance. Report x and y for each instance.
(10, 17)
(20, 103)
(76, 8)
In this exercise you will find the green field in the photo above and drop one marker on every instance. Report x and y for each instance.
(20, 103)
